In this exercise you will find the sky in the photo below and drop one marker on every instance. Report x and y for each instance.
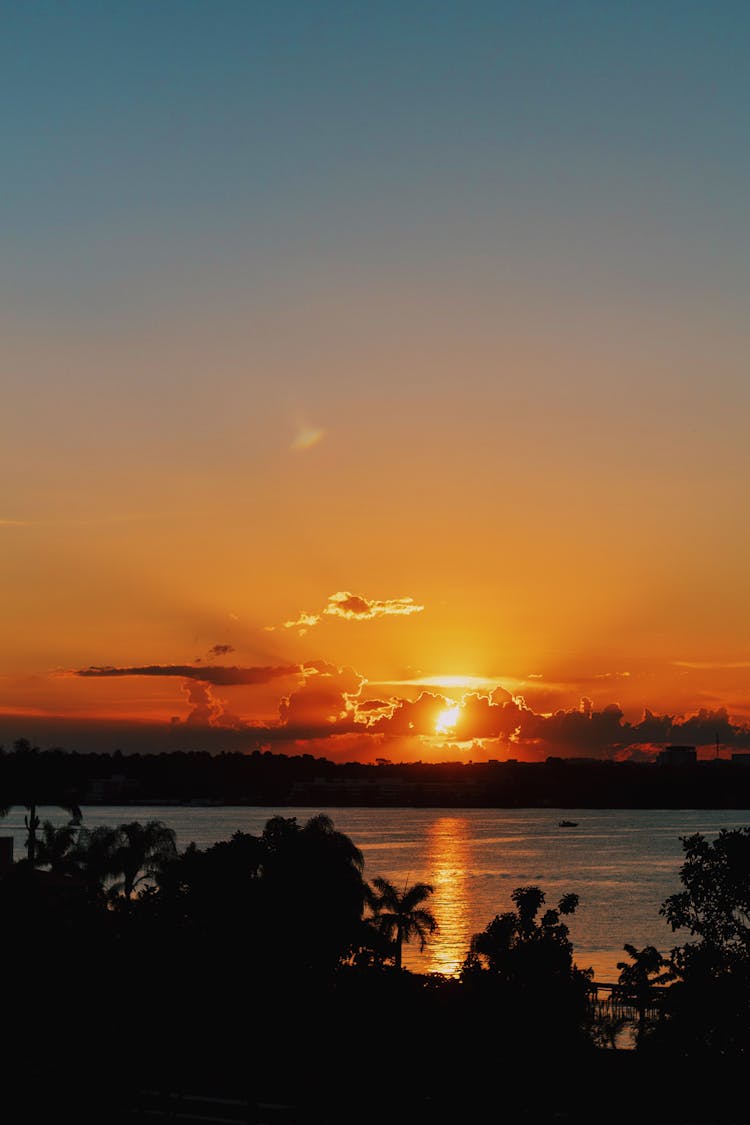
(375, 377)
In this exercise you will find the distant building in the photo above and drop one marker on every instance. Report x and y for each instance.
(677, 756)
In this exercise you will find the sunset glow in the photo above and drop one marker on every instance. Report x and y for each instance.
(398, 400)
(447, 720)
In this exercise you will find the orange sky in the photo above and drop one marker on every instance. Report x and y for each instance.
(397, 307)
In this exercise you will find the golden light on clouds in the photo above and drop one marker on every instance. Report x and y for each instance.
(447, 720)
(354, 607)
(467, 683)
(351, 607)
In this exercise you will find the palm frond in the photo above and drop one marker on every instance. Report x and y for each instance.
(416, 894)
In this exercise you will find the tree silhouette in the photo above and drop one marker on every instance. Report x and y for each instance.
(516, 944)
(646, 968)
(523, 964)
(115, 859)
(400, 916)
(290, 900)
(56, 847)
(140, 851)
(715, 904)
(29, 793)
(311, 892)
(94, 854)
(707, 1005)
(372, 947)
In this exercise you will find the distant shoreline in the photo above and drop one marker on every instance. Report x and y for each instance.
(201, 780)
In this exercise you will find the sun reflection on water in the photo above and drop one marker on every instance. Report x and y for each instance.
(449, 853)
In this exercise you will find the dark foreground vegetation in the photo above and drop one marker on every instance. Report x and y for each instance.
(273, 780)
(266, 971)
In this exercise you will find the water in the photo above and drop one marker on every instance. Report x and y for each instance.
(622, 863)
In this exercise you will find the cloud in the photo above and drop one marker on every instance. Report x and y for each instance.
(580, 731)
(304, 622)
(408, 717)
(326, 700)
(373, 705)
(206, 709)
(703, 728)
(352, 607)
(496, 715)
(327, 697)
(583, 731)
(210, 673)
(220, 650)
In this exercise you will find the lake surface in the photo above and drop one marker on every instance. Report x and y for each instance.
(622, 863)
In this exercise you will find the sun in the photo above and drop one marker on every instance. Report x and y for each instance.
(447, 720)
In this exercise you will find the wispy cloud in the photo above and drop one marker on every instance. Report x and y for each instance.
(711, 665)
(456, 682)
(307, 437)
(216, 674)
(302, 623)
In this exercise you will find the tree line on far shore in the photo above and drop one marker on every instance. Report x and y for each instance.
(275, 779)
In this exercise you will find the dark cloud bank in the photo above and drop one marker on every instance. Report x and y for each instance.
(326, 713)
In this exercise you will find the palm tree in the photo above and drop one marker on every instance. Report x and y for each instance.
(401, 917)
(140, 852)
(56, 848)
(94, 852)
(118, 859)
(29, 796)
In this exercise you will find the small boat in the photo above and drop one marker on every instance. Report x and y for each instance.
(567, 824)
